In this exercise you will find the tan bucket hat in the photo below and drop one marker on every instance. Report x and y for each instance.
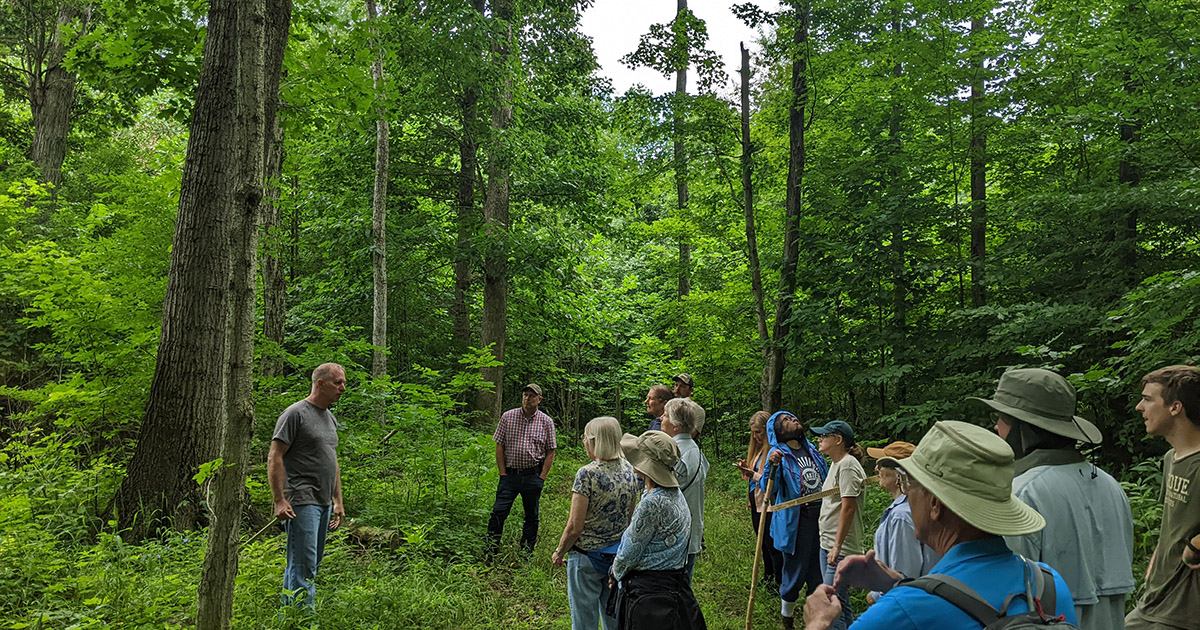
(889, 454)
(653, 454)
(970, 469)
(1043, 399)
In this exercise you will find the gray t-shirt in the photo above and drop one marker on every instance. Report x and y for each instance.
(311, 460)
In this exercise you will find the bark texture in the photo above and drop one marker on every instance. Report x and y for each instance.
(52, 95)
(760, 312)
(186, 409)
(495, 216)
(379, 320)
(793, 201)
(262, 27)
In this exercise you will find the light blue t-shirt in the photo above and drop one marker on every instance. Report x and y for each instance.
(896, 543)
(987, 566)
(657, 537)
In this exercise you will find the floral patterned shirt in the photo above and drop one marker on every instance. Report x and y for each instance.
(612, 490)
(657, 537)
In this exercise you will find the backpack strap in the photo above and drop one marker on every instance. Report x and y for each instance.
(957, 593)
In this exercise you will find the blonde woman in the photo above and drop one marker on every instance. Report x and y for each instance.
(602, 501)
(752, 471)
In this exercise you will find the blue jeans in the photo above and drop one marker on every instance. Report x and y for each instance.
(529, 487)
(588, 592)
(847, 617)
(305, 546)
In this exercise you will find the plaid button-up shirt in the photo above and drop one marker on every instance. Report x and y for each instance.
(526, 442)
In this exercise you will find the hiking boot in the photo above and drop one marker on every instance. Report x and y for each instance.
(789, 623)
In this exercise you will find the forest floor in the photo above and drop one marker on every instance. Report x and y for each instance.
(50, 580)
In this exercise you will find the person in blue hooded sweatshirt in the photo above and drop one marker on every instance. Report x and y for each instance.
(797, 469)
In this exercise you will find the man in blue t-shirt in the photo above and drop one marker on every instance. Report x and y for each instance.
(959, 485)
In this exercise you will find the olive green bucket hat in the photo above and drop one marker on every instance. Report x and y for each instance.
(1043, 399)
(970, 469)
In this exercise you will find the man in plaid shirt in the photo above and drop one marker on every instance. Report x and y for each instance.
(525, 443)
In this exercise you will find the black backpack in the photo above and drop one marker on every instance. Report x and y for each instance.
(1041, 606)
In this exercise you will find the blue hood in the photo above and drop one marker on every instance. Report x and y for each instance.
(789, 483)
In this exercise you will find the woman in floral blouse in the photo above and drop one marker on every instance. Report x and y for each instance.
(604, 494)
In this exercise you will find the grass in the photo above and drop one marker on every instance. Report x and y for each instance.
(433, 581)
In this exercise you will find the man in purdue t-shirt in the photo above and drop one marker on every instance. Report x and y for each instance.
(304, 454)
(1170, 407)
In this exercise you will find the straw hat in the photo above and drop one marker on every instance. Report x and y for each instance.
(1043, 399)
(970, 469)
(888, 455)
(653, 454)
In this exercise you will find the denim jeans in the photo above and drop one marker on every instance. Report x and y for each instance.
(587, 591)
(529, 487)
(305, 546)
(847, 617)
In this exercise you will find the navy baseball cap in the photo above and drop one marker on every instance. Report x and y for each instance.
(837, 427)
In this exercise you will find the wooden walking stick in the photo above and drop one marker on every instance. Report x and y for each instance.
(762, 527)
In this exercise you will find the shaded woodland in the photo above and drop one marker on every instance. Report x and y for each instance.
(888, 205)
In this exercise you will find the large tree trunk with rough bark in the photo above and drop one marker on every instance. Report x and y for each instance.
(272, 246)
(186, 409)
(760, 312)
(379, 320)
(51, 97)
(793, 201)
(261, 36)
(495, 216)
(978, 151)
(466, 219)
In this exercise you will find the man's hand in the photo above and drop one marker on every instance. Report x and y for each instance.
(558, 559)
(776, 457)
(821, 608)
(284, 511)
(339, 513)
(865, 572)
(1191, 558)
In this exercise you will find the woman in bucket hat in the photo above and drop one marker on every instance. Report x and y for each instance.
(959, 484)
(1085, 508)
(655, 593)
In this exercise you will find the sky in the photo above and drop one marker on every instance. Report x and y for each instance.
(616, 25)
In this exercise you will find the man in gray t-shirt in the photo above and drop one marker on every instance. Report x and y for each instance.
(306, 482)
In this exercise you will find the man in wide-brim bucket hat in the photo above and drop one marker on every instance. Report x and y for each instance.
(1043, 399)
(1085, 508)
(958, 481)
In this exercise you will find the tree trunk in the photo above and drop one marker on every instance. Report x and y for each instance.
(793, 201)
(51, 97)
(899, 193)
(681, 165)
(495, 216)
(379, 221)
(978, 150)
(262, 27)
(468, 161)
(760, 313)
(272, 239)
(186, 409)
